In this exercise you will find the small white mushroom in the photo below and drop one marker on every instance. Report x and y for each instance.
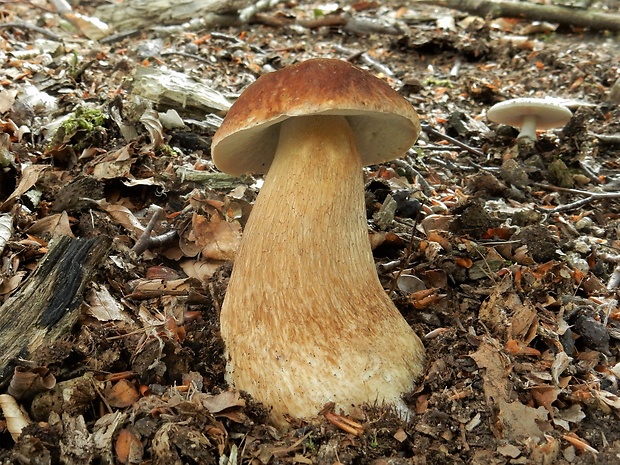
(530, 114)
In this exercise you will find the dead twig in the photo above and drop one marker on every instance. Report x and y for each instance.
(592, 19)
(414, 174)
(30, 27)
(591, 197)
(427, 128)
(191, 56)
(366, 59)
(249, 12)
(146, 241)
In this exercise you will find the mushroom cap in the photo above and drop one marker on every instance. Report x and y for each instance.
(549, 113)
(384, 124)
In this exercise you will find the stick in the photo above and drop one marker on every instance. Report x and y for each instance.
(596, 20)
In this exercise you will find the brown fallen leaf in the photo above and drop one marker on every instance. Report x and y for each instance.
(219, 239)
(220, 402)
(520, 421)
(30, 176)
(545, 396)
(52, 226)
(28, 382)
(121, 394)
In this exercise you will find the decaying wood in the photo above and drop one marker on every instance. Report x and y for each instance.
(136, 14)
(48, 304)
(174, 89)
(592, 19)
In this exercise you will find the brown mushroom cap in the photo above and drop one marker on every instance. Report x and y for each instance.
(385, 125)
(549, 114)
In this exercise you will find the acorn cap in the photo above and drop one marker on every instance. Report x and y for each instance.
(385, 125)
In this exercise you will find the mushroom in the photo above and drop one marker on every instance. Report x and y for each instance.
(305, 320)
(530, 114)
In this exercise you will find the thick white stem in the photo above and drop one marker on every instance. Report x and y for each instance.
(305, 319)
(528, 128)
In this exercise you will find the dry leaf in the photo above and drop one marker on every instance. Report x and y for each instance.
(28, 382)
(6, 230)
(201, 270)
(12, 283)
(218, 238)
(128, 446)
(122, 394)
(123, 216)
(220, 402)
(53, 225)
(16, 417)
(544, 396)
(103, 306)
(495, 377)
(520, 421)
(30, 176)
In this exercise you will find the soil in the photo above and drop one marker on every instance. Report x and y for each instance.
(497, 253)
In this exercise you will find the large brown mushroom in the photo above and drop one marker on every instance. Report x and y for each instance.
(305, 319)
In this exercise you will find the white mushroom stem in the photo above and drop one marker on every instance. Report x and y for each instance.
(528, 127)
(305, 319)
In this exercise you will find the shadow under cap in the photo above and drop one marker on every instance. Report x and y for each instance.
(384, 123)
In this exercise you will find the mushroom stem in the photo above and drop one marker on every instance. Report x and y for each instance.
(528, 127)
(304, 298)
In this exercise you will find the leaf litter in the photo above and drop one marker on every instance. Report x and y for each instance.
(504, 257)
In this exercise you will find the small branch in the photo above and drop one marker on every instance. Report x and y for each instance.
(427, 189)
(591, 197)
(365, 58)
(30, 27)
(608, 138)
(560, 189)
(146, 241)
(247, 13)
(430, 130)
(592, 19)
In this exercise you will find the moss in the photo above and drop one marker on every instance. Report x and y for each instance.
(83, 129)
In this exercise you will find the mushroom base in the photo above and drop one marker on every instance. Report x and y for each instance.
(305, 319)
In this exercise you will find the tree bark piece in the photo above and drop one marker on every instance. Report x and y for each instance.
(592, 19)
(48, 305)
(136, 14)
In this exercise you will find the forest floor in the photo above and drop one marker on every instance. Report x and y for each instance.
(503, 259)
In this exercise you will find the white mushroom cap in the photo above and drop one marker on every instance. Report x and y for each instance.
(530, 114)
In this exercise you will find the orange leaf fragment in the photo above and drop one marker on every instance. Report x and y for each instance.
(122, 394)
(424, 298)
(128, 447)
(344, 423)
(579, 444)
(515, 347)
(464, 262)
(576, 84)
(434, 236)
(545, 396)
